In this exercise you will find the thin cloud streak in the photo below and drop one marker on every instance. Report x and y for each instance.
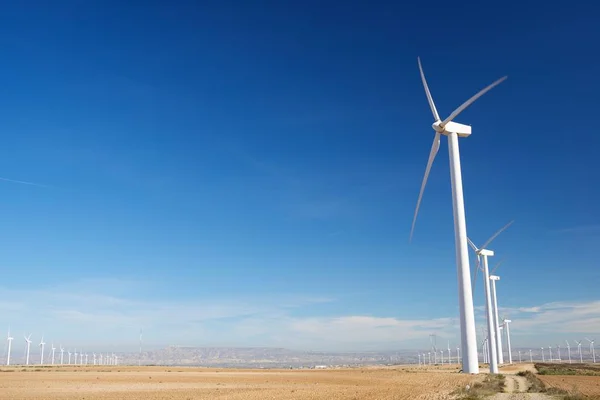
(24, 182)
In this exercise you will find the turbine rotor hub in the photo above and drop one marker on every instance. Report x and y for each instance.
(437, 126)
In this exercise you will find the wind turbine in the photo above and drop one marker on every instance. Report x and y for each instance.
(592, 348)
(94, 354)
(455, 130)
(75, 354)
(530, 356)
(69, 357)
(550, 350)
(86, 358)
(62, 351)
(27, 339)
(558, 349)
(543, 359)
(9, 339)
(506, 322)
(42, 344)
(482, 254)
(579, 348)
(53, 349)
(520, 357)
(568, 350)
(449, 354)
(493, 279)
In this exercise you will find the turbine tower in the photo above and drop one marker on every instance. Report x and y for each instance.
(42, 344)
(9, 339)
(568, 350)
(27, 339)
(53, 349)
(62, 351)
(506, 322)
(493, 279)
(455, 130)
(579, 348)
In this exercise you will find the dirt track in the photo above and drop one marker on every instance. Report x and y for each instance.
(194, 383)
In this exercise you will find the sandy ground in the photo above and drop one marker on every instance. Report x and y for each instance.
(177, 383)
(586, 385)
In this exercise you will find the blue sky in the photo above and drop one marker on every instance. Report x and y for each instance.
(244, 173)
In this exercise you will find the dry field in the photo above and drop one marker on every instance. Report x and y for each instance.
(177, 383)
(586, 385)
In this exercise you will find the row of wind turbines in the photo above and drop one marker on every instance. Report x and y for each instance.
(493, 343)
(80, 358)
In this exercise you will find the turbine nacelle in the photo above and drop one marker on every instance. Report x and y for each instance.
(461, 130)
(494, 278)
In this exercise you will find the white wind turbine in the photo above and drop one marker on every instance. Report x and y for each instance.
(558, 349)
(62, 351)
(483, 253)
(27, 339)
(579, 349)
(550, 350)
(86, 358)
(506, 322)
(449, 354)
(455, 130)
(69, 357)
(543, 359)
(568, 350)
(53, 349)
(9, 339)
(493, 279)
(593, 351)
(42, 344)
(530, 356)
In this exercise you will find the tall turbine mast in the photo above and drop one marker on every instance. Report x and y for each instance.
(453, 131)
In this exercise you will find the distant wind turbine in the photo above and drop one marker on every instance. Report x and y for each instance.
(579, 348)
(69, 357)
(506, 322)
(453, 131)
(42, 344)
(53, 349)
(27, 339)
(543, 359)
(9, 339)
(592, 349)
(568, 350)
(62, 351)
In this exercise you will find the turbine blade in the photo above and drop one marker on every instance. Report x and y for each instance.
(434, 149)
(496, 267)
(472, 99)
(472, 244)
(495, 235)
(428, 93)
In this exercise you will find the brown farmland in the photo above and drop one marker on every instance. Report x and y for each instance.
(176, 383)
(586, 385)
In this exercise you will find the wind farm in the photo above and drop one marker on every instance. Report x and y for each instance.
(240, 201)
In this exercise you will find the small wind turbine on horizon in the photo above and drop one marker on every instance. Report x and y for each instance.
(592, 350)
(62, 351)
(42, 344)
(28, 341)
(53, 349)
(9, 339)
(568, 350)
(579, 349)
(493, 279)
(453, 131)
(69, 357)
